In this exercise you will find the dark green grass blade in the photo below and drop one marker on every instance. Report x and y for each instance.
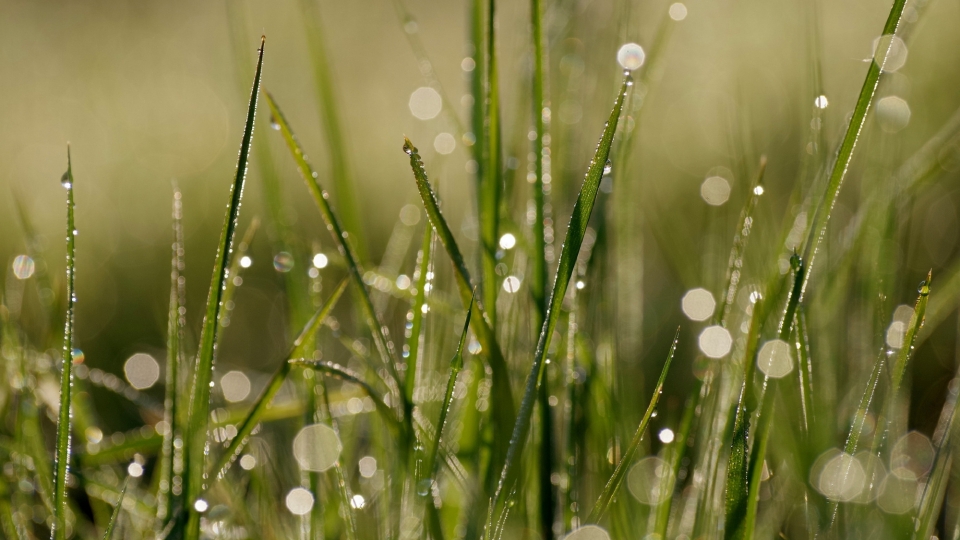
(255, 416)
(108, 533)
(844, 157)
(341, 238)
(503, 404)
(176, 321)
(195, 433)
(343, 180)
(613, 483)
(456, 364)
(66, 377)
(492, 179)
(568, 258)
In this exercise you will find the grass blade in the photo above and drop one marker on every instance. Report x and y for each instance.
(492, 179)
(910, 338)
(416, 328)
(195, 434)
(336, 370)
(108, 533)
(255, 416)
(341, 238)
(613, 483)
(503, 405)
(176, 321)
(568, 258)
(824, 209)
(66, 377)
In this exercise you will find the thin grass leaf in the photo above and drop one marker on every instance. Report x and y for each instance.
(804, 369)
(416, 328)
(176, 321)
(568, 258)
(941, 305)
(195, 434)
(503, 411)
(108, 533)
(931, 501)
(235, 269)
(844, 157)
(910, 337)
(255, 416)
(336, 370)
(340, 237)
(66, 377)
(613, 483)
(491, 183)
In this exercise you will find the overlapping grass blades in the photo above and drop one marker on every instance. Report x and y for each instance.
(66, 376)
(568, 258)
(613, 483)
(108, 533)
(255, 415)
(195, 432)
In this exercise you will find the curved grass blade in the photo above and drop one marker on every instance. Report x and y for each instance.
(931, 501)
(503, 404)
(610, 489)
(340, 237)
(108, 533)
(66, 377)
(176, 321)
(568, 258)
(824, 209)
(255, 416)
(195, 434)
(344, 374)
(910, 338)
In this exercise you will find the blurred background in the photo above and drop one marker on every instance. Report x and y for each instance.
(151, 93)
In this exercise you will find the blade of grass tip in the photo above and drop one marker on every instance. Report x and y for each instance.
(844, 156)
(66, 377)
(490, 185)
(613, 483)
(910, 337)
(343, 180)
(340, 237)
(941, 305)
(176, 321)
(108, 533)
(195, 434)
(503, 402)
(568, 257)
(420, 299)
(254, 417)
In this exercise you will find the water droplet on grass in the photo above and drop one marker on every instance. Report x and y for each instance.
(142, 371)
(299, 501)
(23, 267)
(283, 262)
(631, 56)
(608, 167)
(78, 356)
(235, 386)
(698, 304)
(715, 341)
(774, 359)
(317, 447)
(65, 180)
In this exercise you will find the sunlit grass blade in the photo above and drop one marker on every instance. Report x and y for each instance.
(503, 405)
(255, 416)
(910, 337)
(844, 155)
(66, 377)
(335, 370)
(613, 483)
(176, 321)
(931, 500)
(341, 238)
(343, 180)
(942, 304)
(416, 328)
(568, 258)
(195, 432)
(108, 533)
(236, 267)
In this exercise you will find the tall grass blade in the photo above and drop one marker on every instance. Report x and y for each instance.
(195, 433)
(844, 157)
(931, 501)
(172, 413)
(341, 238)
(66, 377)
(255, 416)
(337, 371)
(420, 299)
(492, 179)
(568, 258)
(503, 404)
(613, 483)
(910, 337)
(108, 533)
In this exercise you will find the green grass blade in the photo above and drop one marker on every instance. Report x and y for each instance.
(613, 483)
(420, 299)
(845, 154)
(343, 180)
(336, 370)
(195, 434)
(255, 416)
(931, 501)
(235, 269)
(568, 258)
(503, 404)
(341, 238)
(66, 377)
(910, 338)
(176, 321)
(108, 533)
(492, 179)
(456, 364)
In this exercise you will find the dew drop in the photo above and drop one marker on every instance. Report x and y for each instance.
(274, 124)
(283, 262)
(408, 148)
(65, 180)
(608, 167)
